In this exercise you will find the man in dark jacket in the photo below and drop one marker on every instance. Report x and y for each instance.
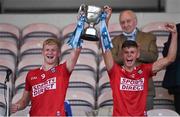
(172, 75)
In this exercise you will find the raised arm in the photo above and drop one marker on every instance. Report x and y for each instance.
(108, 59)
(71, 62)
(171, 56)
(108, 10)
(22, 103)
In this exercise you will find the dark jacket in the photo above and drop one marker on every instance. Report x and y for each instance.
(148, 49)
(172, 75)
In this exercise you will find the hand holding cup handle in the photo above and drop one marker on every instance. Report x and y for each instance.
(171, 27)
(108, 10)
(81, 10)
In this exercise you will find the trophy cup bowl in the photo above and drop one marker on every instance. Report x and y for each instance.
(92, 14)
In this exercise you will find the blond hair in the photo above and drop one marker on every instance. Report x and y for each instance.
(52, 41)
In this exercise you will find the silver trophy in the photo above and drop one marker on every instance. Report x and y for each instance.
(92, 15)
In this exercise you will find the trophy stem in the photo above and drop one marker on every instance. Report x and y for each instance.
(91, 25)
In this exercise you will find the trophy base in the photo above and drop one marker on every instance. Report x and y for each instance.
(89, 37)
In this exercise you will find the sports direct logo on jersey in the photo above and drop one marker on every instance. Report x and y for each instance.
(49, 84)
(131, 85)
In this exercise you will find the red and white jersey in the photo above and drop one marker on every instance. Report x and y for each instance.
(129, 89)
(48, 90)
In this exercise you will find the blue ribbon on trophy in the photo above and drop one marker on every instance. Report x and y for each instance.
(91, 15)
(105, 38)
(75, 40)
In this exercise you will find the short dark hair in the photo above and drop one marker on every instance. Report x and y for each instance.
(129, 43)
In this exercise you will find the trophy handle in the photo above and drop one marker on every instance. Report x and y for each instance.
(82, 9)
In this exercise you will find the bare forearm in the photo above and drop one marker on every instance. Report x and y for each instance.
(171, 56)
(108, 59)
(108, 10)
(172, 48)
(71, 62)
(22, 104)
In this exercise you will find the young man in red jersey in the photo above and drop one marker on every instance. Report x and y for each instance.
(129, 83)
(46, 86)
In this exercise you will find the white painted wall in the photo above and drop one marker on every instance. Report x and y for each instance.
(172, 6)
(61, 20)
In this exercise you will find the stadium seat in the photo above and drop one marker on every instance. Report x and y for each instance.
(162, 113)
(159, 76)
(8, 50)
(81, 102)
(32, 47)
(68, 30)
(104, 84)
(92, 60)
(40, 31)
(87, 46)
(82, 60)
(20, 81)
(4, 66)
(9, 40)
(8, 57)
(83, 80)
(3, 89)
(104, 111)
(105, 99)
(3, 75)
(9, 33)
(102, 65)
(2, 105)
(162, 99)
(29, 62)
(6, 88)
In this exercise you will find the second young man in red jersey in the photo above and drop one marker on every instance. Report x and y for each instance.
(129, 83)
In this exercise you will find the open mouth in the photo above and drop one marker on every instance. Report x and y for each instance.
(129, 61)
(50, 57)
